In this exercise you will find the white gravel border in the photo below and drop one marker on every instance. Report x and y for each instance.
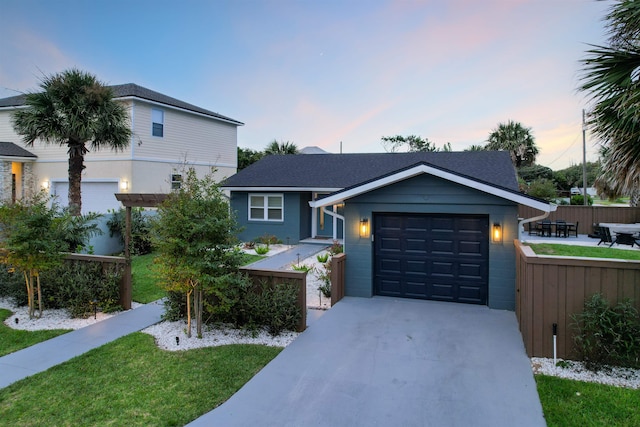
(51, 318)
(619, 377)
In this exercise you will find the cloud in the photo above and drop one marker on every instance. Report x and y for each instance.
(31, 57)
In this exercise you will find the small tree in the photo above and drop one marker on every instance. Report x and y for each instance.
(543, 189)
(32, 242)
(194, 234)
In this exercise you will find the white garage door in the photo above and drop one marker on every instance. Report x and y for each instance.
(96, 196)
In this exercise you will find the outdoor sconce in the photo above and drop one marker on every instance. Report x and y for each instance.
(124, 185)
(45, 185)
(496, 233)
(364, 227)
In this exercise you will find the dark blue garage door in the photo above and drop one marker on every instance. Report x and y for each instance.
(437, 257)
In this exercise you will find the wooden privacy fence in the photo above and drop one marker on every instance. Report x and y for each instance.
(338, 264)
(586, 215)
(551, 289)
(273, 277)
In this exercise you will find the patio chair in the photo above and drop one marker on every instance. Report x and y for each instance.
(573, 229)
(545, 228)
(561, 228)
(533, 229)
(604, 233)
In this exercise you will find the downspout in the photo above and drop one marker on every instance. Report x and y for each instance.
(535, 218)
(335, 218)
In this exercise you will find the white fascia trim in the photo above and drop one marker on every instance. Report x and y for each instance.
(281, 189)
(171, 107)
(140, 159)
(420, 169)
(18, 159)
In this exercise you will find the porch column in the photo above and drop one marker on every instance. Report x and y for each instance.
(5, 180)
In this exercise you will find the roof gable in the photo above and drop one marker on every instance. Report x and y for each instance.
(424, 168)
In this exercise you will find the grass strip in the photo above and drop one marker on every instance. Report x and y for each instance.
(132, 382)
(568, 403)
(15, 339)
(584, 251)
(146, 287)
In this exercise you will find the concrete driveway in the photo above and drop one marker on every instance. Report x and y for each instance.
(394, 362)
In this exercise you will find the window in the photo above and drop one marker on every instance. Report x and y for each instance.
(176, 181)
(266, 207)
(157, 122)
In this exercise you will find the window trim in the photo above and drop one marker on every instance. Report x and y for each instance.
(153, 123)
(265, 207)
(176, 181)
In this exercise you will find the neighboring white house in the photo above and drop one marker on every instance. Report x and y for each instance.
(167, 135)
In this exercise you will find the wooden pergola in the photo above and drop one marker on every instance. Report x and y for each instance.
(133, 200)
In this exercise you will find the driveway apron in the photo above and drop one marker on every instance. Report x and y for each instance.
(394, 362)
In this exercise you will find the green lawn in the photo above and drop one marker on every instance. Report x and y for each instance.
(584, 251)
(131, 382)
(145, 286)
(14, 339)
(568, 403)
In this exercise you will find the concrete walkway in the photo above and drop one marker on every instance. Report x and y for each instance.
(284, 259)
(44, 355)
(393, 362)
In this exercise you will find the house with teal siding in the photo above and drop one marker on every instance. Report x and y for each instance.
(438, 226)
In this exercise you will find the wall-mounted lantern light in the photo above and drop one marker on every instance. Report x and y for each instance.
(124, 185)
(364, 227)
(496, 233)
(45, 185)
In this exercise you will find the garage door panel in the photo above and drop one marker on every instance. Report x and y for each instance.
(416, 246)
(439, 257)
(390, 287)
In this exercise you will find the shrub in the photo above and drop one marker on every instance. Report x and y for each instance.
(248, 306)
(73, 286)
(608, 335)
(578, 199)
(543, 188)
(262, 250)
(324, 274)
(273, 307)
(268, 239)
(336, 248)
(140, 229)
(322, 258)
(302, 267)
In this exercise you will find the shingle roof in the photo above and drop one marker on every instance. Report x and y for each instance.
(133, 90)
(9, 149)
(332, 171)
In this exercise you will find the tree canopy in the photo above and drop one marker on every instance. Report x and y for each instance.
(517, 140)
(73, 109)
(411, 143)
(611, 80)
(284, 147)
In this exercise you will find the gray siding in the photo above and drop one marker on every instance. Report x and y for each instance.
(296, 225)
(428, 194)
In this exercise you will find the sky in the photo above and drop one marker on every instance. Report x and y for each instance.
(330, 73)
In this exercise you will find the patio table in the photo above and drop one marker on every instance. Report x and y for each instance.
(625, 239)
(553, 228)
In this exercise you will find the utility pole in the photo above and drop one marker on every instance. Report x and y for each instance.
(584, 159)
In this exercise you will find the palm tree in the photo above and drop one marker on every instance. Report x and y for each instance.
(73, 109)
(276, 147)
(611, 79)
(516, 139)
